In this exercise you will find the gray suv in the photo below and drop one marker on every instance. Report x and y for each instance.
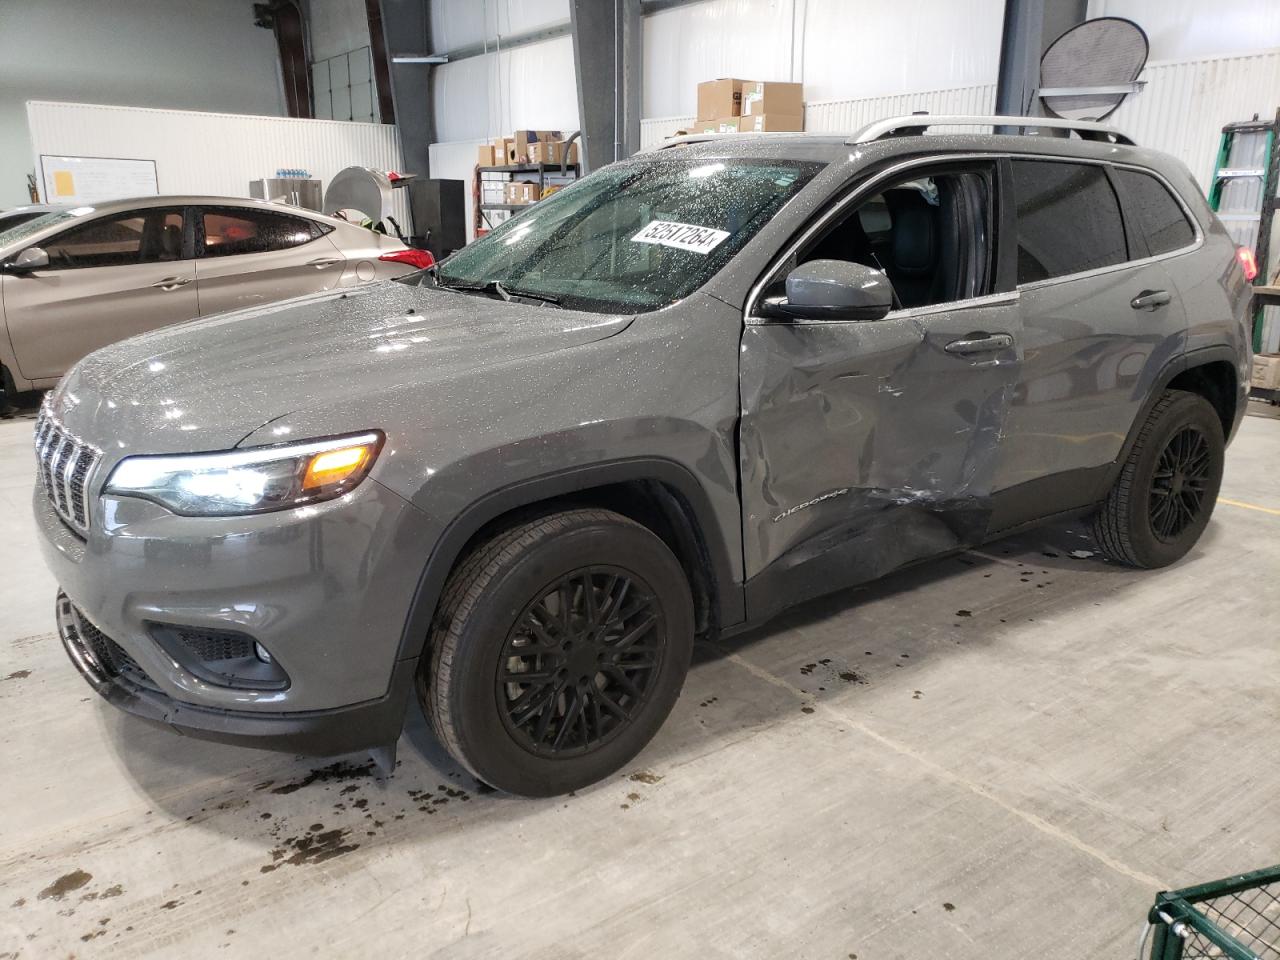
(686, 392)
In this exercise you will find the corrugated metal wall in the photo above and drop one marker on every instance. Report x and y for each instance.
(1185, 104)
(212, 153)
(1181, 111)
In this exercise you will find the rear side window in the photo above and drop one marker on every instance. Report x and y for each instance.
(141, 236)
(1068, 219)
(1158, 214)
(228, 233)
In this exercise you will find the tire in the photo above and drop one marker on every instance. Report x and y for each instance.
(563, 600)
(1167, 488)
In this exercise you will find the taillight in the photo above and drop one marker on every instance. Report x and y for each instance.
(414, 258)
(1248, 262)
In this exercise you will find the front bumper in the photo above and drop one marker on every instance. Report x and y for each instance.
(118, 679)
(326, 590)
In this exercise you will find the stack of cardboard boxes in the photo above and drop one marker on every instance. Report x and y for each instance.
(749, 106)
(1266, 371)
(527, 146)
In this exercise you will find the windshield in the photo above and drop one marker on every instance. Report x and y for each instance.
(632, 238)
(15, 233)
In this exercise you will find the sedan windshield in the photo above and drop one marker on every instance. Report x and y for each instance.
(630, 238)
(14, 233)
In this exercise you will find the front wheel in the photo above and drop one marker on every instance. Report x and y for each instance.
(558, 651)
(1165, 494)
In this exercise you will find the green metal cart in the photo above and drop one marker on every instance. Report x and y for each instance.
(1237, 918)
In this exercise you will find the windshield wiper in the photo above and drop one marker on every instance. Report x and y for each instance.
(526, 294)
(496, 288)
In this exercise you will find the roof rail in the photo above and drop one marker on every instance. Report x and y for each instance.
(919, 122)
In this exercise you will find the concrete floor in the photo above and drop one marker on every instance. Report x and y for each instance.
(1003, 754)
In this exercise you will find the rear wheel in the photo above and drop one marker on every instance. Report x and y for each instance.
(1166, 491)
(559, 649)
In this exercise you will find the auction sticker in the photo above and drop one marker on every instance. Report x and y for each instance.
(682, 236)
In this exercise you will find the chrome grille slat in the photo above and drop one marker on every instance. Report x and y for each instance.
(65, 465)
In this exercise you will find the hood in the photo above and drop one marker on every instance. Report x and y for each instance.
(208, 384)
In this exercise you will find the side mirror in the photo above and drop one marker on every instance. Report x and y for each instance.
(832, 290)
(29, 260)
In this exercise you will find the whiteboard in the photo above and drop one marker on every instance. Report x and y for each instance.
(82, 180)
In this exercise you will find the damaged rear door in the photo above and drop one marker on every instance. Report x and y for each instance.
(867, 445)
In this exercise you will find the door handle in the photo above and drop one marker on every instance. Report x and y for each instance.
(979, 343)
(1150, 299)
(172, 283)
(323, 262)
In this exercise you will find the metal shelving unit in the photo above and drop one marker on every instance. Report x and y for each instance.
(483, 221)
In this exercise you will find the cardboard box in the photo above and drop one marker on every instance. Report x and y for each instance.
(500, 145)
(552, 151)
(521, 140)
(720, 98)
(484, 157)
(759, 96)
(521, 192)
(1266, 371)
(762, 123)
(770, 123)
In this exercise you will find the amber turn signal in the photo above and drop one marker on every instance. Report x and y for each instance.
(334, 466)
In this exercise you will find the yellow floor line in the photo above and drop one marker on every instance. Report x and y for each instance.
(1249, 506)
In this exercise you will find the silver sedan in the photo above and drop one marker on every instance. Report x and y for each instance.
(76, 279)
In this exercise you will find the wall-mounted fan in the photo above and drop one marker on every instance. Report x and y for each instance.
(1088, 71)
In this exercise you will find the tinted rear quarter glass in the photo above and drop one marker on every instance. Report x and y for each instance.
(1159, 215)
(229, 232)
(1068, 219)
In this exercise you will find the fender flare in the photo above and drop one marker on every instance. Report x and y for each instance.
(1178, 365)
(464, 526)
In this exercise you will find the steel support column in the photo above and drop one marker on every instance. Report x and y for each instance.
(1029, 27)
(406, 27)
(607, 55)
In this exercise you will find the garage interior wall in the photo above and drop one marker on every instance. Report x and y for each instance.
(196, 56)
(342, 85)
(858, 61)
(214, 153)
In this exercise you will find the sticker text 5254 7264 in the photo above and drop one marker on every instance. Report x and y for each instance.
(682, 236)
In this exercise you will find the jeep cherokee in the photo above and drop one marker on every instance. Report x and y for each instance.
(684, 393)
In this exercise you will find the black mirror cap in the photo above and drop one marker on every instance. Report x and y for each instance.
(838, 290)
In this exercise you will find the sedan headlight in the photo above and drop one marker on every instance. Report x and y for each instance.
(248, 481)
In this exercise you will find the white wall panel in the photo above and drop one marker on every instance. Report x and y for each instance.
(457, 23)
(1183, 29)
(849, 116)
(716, 38)
(872, 48)
(1185, 105)
(212, 153)
(838, 49)
(531, 87)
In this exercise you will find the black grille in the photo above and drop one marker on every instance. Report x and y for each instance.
(65, 465)
(212, 645)
(110, 658)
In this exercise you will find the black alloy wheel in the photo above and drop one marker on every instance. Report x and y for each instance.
(1179, 483)
(1162, 499)
(558, 649)
(580, 661)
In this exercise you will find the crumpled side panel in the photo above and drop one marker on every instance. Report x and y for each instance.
(864, 446)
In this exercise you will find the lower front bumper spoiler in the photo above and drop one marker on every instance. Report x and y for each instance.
(371, 725)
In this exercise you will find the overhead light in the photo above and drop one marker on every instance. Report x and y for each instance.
(420, 58)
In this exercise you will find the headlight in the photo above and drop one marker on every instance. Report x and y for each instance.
(248, 481)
